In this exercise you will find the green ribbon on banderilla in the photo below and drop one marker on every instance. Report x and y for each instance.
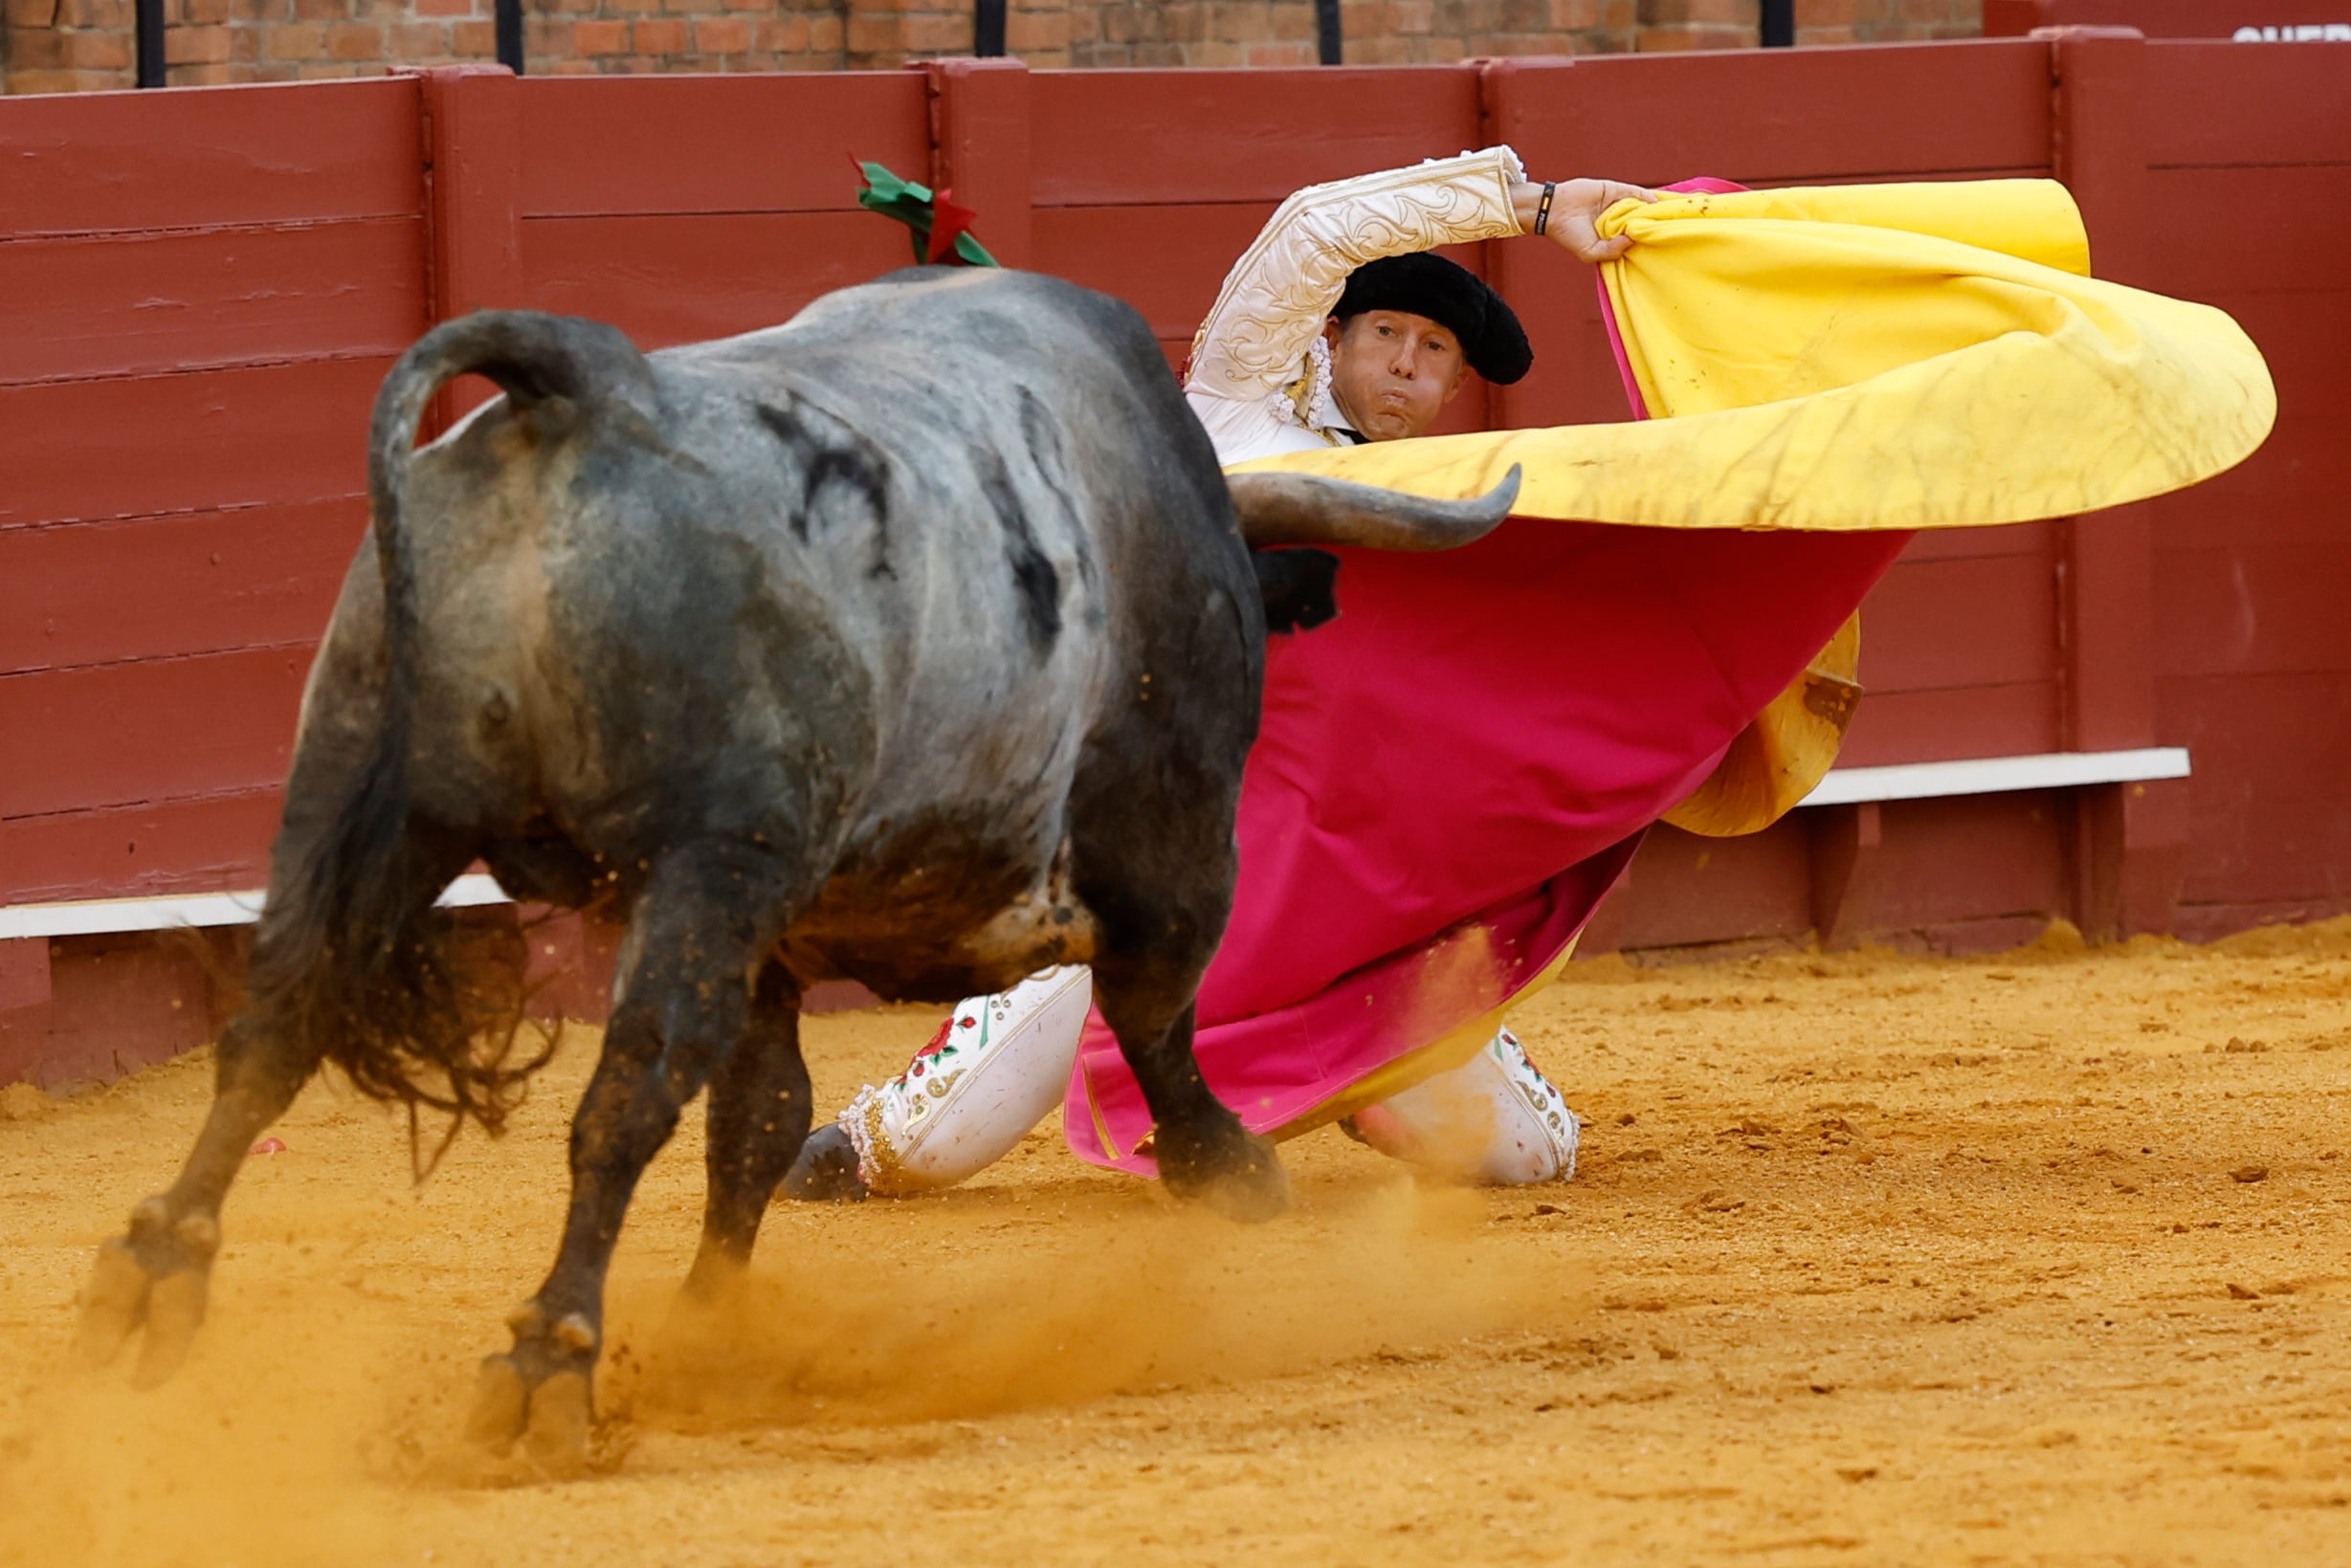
(941, 229)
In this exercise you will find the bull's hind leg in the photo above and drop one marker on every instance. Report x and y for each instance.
(758, 1119)
(158, 1277)
(707, 917)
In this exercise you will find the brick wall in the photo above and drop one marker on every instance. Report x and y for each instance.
(78, 45)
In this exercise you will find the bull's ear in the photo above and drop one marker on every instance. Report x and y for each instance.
(1300, 587)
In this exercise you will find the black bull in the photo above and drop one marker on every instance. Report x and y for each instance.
(917, 641)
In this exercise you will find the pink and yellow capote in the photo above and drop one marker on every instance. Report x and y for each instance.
(1667, 629)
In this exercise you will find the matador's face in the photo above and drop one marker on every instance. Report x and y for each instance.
(1393, 372)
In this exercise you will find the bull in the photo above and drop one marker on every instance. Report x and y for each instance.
(918, 642)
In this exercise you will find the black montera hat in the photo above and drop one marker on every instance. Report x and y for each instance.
(1425, 283)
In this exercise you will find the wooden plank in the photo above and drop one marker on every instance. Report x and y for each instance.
(1784, 116)
(2301, 256)
(679, 279)
(981, 148)
(120, 1005)
(118, 733)
(1969, 858)
(1941, 726)
(206, 845)
(143, 445)
(1684, 890)
(2106, 629)
(2242, 103)
(2105, 598)
(474, 118)
(2284, 735)
(604, 145)
(124, 304)
(2272, 513)
(2254, 609)
(2209, 922)
(1936, 625)
(1245, 135)
(1188, 250)
(2271, 754)
(189, 582)
(2295, 479)
(474, 260)
(2101, 138)
(87, 163)
(24, 973)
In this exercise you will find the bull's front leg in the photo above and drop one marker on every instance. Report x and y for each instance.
(158, 1277)
(1160, 899)
(702, 927)
(1202, 1149)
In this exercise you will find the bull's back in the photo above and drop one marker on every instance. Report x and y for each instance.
(1002, 495)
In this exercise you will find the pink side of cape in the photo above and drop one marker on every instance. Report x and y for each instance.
(1472, 750)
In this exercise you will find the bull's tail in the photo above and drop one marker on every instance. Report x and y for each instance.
(352, 955)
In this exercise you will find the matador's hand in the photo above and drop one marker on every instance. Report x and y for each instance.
(1576, 205)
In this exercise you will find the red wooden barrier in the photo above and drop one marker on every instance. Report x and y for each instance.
(199, 290)
(198, 293)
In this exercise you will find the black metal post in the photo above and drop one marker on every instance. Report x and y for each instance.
(148, 23)
(508, 16)
(1777, 28)
(1330, 39)
(988, 28)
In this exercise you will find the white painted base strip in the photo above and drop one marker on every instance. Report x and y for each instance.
(1997, 775)
(1843, 786)
(99, 916)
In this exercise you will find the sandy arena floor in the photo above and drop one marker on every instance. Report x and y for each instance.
(2039, 1259)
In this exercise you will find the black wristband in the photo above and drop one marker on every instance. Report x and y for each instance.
(1543, 208)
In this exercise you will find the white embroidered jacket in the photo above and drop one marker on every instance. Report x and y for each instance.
(1260, 372)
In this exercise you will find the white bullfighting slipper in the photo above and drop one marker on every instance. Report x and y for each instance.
(1494, 1119)
(994, 1069)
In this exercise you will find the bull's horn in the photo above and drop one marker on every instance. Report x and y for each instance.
(1299, 509)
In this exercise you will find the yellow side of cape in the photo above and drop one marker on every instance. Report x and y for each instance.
(1865, 357)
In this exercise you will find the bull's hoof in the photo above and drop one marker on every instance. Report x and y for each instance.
(113, 1303)
(1239, 1176)
(501, 1405)
(176, 1311)
(540, 1393)
(156, 1280)
(563, 1421)
(825, 1170)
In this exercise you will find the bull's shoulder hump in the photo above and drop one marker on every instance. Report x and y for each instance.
(894, 293)
(925, 317)
(930, 295)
